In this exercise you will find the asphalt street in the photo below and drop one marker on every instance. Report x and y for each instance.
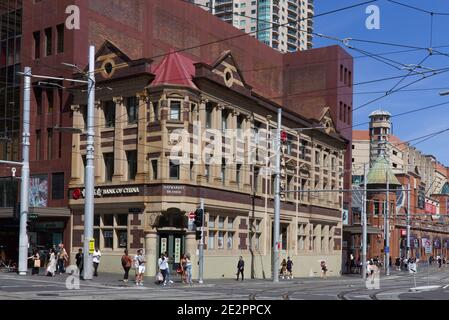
(397, 286)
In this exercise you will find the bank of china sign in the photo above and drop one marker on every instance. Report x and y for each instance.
(107, 192)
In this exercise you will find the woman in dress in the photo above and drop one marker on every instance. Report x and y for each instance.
(51, 267)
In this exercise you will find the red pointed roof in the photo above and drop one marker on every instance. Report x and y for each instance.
(175, 69)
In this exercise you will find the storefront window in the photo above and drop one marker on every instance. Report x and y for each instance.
(122, 236)
(108, 239)
(122, 219)
(97, 220)
(230, 223)
(108, 220)
(230, 240)
(220, 240)
(221, 221)
(212, 221)
(211, 241)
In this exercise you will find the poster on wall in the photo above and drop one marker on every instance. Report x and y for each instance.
(38, 194)
(177, 250)
(163, 245)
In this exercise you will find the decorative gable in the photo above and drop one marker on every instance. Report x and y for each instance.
(327, 122)
(109, 59)
(227, 69)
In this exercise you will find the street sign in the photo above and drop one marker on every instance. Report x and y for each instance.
(387, 249)
(191, 216)
(91, 246)
(33, 216)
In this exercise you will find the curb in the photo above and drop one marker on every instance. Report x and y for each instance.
(424, 288)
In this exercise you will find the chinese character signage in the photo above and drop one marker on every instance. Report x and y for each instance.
(38, 194)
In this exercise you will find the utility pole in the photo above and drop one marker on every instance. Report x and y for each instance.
(89, 170)
(387, 230)
(201, 250)
(25, 184)
(364, 224)
(408, 221)
(277, 200)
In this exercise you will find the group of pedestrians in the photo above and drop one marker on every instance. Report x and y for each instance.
(56, 261)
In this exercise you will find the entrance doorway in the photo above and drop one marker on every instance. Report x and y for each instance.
(173, 243)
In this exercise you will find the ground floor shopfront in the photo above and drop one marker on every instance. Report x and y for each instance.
(436, 238)
(49, 227)
(235, 225)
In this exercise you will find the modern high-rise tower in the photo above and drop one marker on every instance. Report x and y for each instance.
(285, 25)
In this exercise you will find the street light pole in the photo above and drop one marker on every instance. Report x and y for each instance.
(25, 183)
(387, 230)
(277, 200)
(89, 170)
(201, 249)
(364, 225)
(408, 221)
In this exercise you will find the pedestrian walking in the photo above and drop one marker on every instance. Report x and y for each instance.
(323, 269)
(96, 260)
(36, 262)
(189, 269)
(182, 266)
(440, 261)
(351, 263)
(289, 268)
(139, 262)
(240, 268)
(163, 267)
(79, 258)
(169, 281)
(62, 258)
(126, 264)
(398, 264)
(51, 266)
(284, 268)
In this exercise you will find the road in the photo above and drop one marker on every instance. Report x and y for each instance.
(109, 287)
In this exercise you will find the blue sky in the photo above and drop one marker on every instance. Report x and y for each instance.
(398, 25)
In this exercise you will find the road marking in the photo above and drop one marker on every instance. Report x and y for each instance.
(446, 286)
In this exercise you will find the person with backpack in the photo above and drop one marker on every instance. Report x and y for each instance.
(240, 268)
(126, 264)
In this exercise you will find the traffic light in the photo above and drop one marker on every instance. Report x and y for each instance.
(284, 136)
(199, 215)
(198, 235)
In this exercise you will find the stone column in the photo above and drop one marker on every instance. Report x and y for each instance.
(215, 167)
(99, 123)
(164, 162)
(119, 152)
(151, 253)
(77, 160)
(249, 156)
(142, 146)
(199, 133)
(231, 145)
(191, 247)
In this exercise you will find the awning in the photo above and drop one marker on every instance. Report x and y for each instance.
(359, 230)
